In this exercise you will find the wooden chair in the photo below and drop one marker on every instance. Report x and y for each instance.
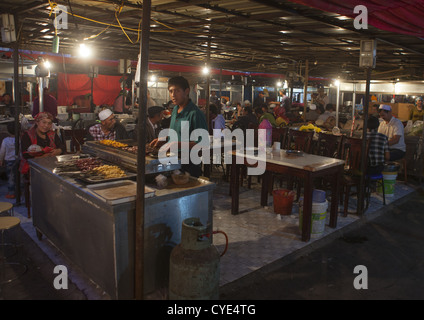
(351, 153)
(280, 135)
(300, 140)
(76, 137)
(296, 140)
(329, 145)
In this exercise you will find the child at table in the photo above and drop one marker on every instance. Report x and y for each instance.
(8, 157)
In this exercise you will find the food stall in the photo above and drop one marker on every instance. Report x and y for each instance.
(92, 219)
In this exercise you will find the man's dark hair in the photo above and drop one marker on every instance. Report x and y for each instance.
(154, 110)
(320, 108)
(329, 106)
(179, 81)
(373, 123)
(258, 110)
(248, 109)
(213, 109)
(11, 128)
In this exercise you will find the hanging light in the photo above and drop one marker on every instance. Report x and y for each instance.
(205, 70)
(84, 51)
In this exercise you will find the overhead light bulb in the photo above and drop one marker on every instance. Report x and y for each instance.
(84, 51)
(205, 70)
(337, 83)
(153, 78)
(279, 84)
(47, 64)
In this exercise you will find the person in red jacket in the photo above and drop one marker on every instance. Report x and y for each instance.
(40, 141)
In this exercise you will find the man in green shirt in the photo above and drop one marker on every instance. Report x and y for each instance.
(186, 117)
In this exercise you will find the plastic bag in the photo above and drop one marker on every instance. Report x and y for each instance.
(25, 125)
(408, 127)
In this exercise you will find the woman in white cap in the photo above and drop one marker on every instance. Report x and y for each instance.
(108, 128)
(393, 129)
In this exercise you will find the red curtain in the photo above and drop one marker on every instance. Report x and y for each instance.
(397, 16)
(70, 86)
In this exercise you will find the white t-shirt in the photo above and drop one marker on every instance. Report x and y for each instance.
(394, 128)
(7, 150)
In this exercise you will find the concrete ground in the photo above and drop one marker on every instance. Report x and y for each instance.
(389, 244)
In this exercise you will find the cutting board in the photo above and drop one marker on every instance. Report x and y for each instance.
(119, 191)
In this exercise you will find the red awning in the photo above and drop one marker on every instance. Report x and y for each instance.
(397, 16)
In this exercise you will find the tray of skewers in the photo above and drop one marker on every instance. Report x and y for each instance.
(92, 170)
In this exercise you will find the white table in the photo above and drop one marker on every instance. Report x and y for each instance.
(307, 167)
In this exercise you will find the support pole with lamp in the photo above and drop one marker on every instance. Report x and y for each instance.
(354, 100)
(42, 73)
(305, 90)
(141, 154)
(337, 102)
(367, 60)
(17, 100)
(208, 83)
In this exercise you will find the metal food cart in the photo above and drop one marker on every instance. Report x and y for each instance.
(97, 233)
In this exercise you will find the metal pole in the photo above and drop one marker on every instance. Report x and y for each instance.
(41, 94)
(305, 90)
(337, 104)
(208, 82)
(364, 156)
(353, 100)
(17, 103)
(141, 154)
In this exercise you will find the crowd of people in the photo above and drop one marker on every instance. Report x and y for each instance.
(385, 132)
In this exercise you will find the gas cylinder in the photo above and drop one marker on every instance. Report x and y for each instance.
(194, 264)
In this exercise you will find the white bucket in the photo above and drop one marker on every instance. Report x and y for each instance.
(318, 216)
(389, 180)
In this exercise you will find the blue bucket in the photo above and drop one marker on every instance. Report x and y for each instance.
(318, 195)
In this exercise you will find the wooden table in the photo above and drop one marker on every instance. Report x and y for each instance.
(218, 147)
(306, 167)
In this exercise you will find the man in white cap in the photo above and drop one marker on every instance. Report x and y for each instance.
(393, 129)
(108, 128)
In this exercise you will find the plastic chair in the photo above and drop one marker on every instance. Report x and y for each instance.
(6, 207)
(370, 180)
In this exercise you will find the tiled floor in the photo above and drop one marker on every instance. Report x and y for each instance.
(257, 236)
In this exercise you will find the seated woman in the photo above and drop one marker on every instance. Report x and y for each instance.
(40, 141)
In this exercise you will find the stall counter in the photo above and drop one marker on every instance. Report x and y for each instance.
(99, 237)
